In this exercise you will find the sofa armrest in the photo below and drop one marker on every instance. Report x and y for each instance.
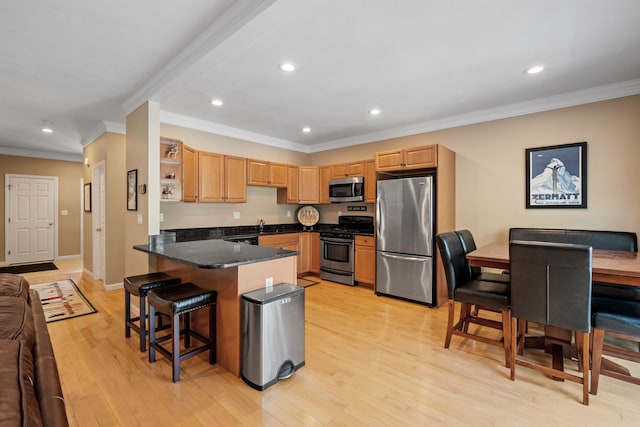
(47, 384)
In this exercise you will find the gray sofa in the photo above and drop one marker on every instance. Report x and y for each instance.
(30, 390)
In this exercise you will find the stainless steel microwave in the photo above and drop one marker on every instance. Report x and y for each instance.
(346, 190)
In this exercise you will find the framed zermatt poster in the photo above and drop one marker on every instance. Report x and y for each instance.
(557, 176)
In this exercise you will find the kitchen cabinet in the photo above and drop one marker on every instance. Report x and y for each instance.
(170, 169)
(324, 173)
(221, 178)
(304, 247)
(288, 241)
(408, 158)
(344, 170)
(315, 252)
(290, 194)
(309, 187)
(189, 174)
(266, 173)
(370, 181)
(365, 260)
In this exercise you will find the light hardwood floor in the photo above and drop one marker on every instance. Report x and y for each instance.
(370, 361)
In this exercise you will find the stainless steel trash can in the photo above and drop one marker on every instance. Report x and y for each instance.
(272, 334)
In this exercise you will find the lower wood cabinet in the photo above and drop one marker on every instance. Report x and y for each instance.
(315, 252)
(365, 260)
(306, 243)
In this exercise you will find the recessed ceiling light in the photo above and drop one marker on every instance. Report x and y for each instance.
(287, 66)
(47, 127)
(306, 129)
(534, 70)
(216, 102)
(374, 111)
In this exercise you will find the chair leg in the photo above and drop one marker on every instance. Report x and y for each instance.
(127, 313)
(465, 312)
(143, 323)
(506, 334)
(212, 334)
(152, 335)
(447, 340)
(596, 358)
(187, 328)
(584, 339)
(514, 347)
(175, 340)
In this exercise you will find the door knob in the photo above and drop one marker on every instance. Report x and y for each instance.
(50, 222)
(98, 229)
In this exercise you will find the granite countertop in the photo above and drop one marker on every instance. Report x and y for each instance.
(215, 253)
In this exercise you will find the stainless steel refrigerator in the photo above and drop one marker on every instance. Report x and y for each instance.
(405, 224)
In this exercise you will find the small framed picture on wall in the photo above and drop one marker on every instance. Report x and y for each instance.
(132, 190)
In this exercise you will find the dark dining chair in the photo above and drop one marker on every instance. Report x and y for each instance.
(551, 285)
(469, 245)
(620, 319)
(466, 290)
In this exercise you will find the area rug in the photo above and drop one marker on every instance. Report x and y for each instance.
(305, 282)
(28, 268)
(62, 300)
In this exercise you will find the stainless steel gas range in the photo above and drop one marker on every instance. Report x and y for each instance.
(337, 248)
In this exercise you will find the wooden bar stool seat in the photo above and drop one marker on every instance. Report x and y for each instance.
(174, 301)
(139, 286)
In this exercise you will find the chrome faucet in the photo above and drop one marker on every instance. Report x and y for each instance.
(261, 225)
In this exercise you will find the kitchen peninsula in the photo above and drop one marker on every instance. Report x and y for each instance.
(231, 269)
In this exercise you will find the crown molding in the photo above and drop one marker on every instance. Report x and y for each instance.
(241, 12)
(102, 127)
(49, 155)
(571, 99)
(210, 127)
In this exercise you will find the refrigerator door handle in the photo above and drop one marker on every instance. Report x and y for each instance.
(406, 258)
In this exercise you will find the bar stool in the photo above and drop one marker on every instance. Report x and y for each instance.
(139, 286)
(174, 301)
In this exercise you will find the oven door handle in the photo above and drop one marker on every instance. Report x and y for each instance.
(336, 272)
(335, 240)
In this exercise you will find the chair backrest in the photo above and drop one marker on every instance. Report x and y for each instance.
(455, 264)
(468, 245)
(551, 283)
(598, 239)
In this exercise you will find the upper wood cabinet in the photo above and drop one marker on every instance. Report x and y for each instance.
(408, 158)
(290, 194)
(325, 177)
(189, 174)
(221, 178)
(266, 173)
(344, 170)
(309, 187)
(370, 181)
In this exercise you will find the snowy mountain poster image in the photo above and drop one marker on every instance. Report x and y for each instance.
(556, 176)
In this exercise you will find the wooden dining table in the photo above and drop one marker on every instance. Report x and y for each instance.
(607, 266)
(618, 267)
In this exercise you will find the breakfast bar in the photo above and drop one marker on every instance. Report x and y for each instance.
(231, 269)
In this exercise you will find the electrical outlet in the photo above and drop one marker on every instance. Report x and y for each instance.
(236, 215)
(268, 282)
(289, 213)
(161, 217)
(140, 219)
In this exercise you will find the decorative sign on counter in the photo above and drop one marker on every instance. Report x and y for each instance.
(308, 216)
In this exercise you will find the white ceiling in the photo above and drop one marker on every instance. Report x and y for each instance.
(426, 64)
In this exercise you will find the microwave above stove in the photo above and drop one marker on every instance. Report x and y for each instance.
(346, 190)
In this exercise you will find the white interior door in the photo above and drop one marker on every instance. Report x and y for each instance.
(98, 205)
(31, 205)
